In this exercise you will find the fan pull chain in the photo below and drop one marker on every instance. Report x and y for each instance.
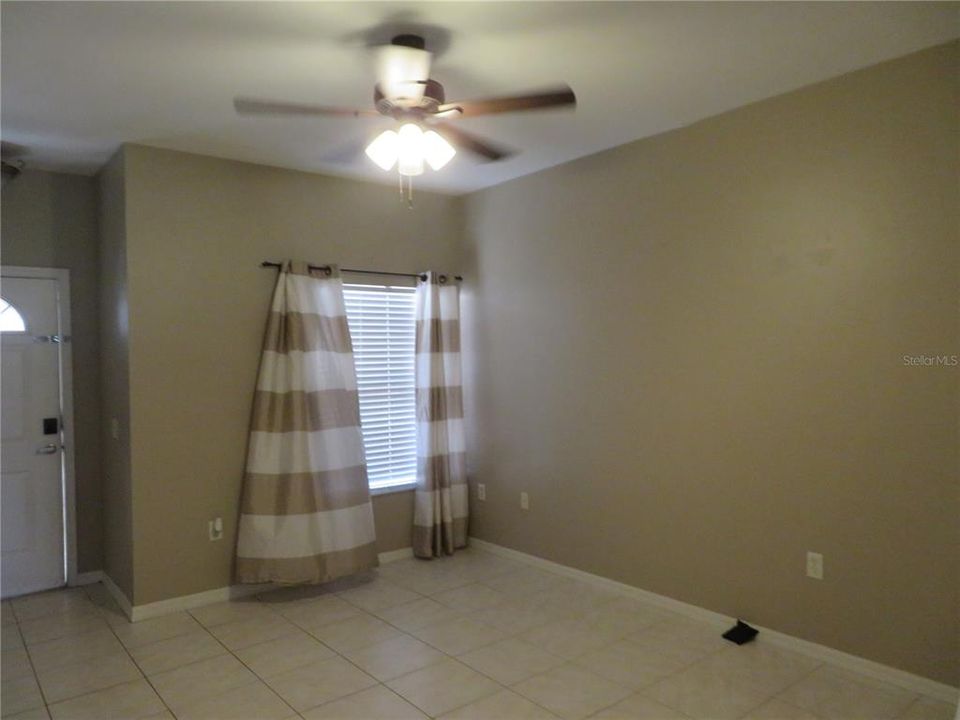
(408, 192)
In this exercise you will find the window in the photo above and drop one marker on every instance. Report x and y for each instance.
(10, 318)
(382, 326)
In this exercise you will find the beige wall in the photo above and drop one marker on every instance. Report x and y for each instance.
(688, 350)
(393, 517)
(197, 230)
(50, 220)
(115, 377)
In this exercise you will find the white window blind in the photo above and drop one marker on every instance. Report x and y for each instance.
(382, 326)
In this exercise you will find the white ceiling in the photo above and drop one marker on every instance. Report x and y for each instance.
(80, 78)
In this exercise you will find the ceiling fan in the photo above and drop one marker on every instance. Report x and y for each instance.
(11, 159)
(405, 93)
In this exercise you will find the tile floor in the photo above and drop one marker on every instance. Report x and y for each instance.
(473, 637)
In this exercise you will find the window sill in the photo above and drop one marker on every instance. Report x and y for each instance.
(388, 489)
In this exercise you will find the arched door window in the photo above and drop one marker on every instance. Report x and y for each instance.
(11, 321)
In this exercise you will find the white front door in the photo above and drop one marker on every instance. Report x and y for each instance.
(31, 465)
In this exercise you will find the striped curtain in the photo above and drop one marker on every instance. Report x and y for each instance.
(440, 511)
(306, 515)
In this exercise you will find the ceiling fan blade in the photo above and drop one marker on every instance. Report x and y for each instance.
(556, 97)
(345, 153)
(472, 143)
(10, 150)
(252, 106)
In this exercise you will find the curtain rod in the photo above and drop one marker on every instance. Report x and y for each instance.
(420, 276)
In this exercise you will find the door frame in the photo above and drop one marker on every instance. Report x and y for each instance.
(62, 277)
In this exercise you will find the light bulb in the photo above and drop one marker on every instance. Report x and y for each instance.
(384, 149)
(410, 157)
(437, 150)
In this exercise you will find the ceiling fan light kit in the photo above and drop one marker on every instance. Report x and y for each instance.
(409, 148)
(384, 149)
(405, 92)
(436, 150)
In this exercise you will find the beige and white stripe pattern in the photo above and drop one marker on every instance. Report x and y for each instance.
(306, 515)
(440, 512)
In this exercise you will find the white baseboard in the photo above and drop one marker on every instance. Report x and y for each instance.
(87, 578)
(117, 594)
(188, 602)
(221, 594)
(394, 555)
(900, 678)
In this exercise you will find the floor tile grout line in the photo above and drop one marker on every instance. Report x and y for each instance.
(314, 637)
(43, 695)
(134, 661)
(371, 613)
(760, 704)
(778, 697)
(454, 587)
(51, 591)
(775, 696)
(257, 676)
(579, 613)
(918, 696)
(780, 693)
(453, 657)
(508, 688)
(457, 658)
(681, 669)
(711, 654)
(638, 693)
(343, 657)
(576, 615)
(642, 691)
(33, 668)
(406, 634)
(824, 664)
(531, 700)
(380, 683)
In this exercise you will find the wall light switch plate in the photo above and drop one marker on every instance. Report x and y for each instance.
(815, 565)
(114, 428)
(481, 491)
(215, 528)
(524, 501)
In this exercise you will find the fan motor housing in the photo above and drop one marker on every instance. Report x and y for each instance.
(409, 40)
(433, 97)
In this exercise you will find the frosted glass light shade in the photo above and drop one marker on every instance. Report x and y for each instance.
(438, 152)
(410, 156)
(385, 149)
(409, 148)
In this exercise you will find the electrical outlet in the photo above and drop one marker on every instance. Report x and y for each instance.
(524, 501)
(215, 528)
(815, 565)
(481, 491)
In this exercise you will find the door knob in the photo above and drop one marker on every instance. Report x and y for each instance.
(48, 449)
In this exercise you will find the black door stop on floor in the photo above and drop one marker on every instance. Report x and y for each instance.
(740, 633)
